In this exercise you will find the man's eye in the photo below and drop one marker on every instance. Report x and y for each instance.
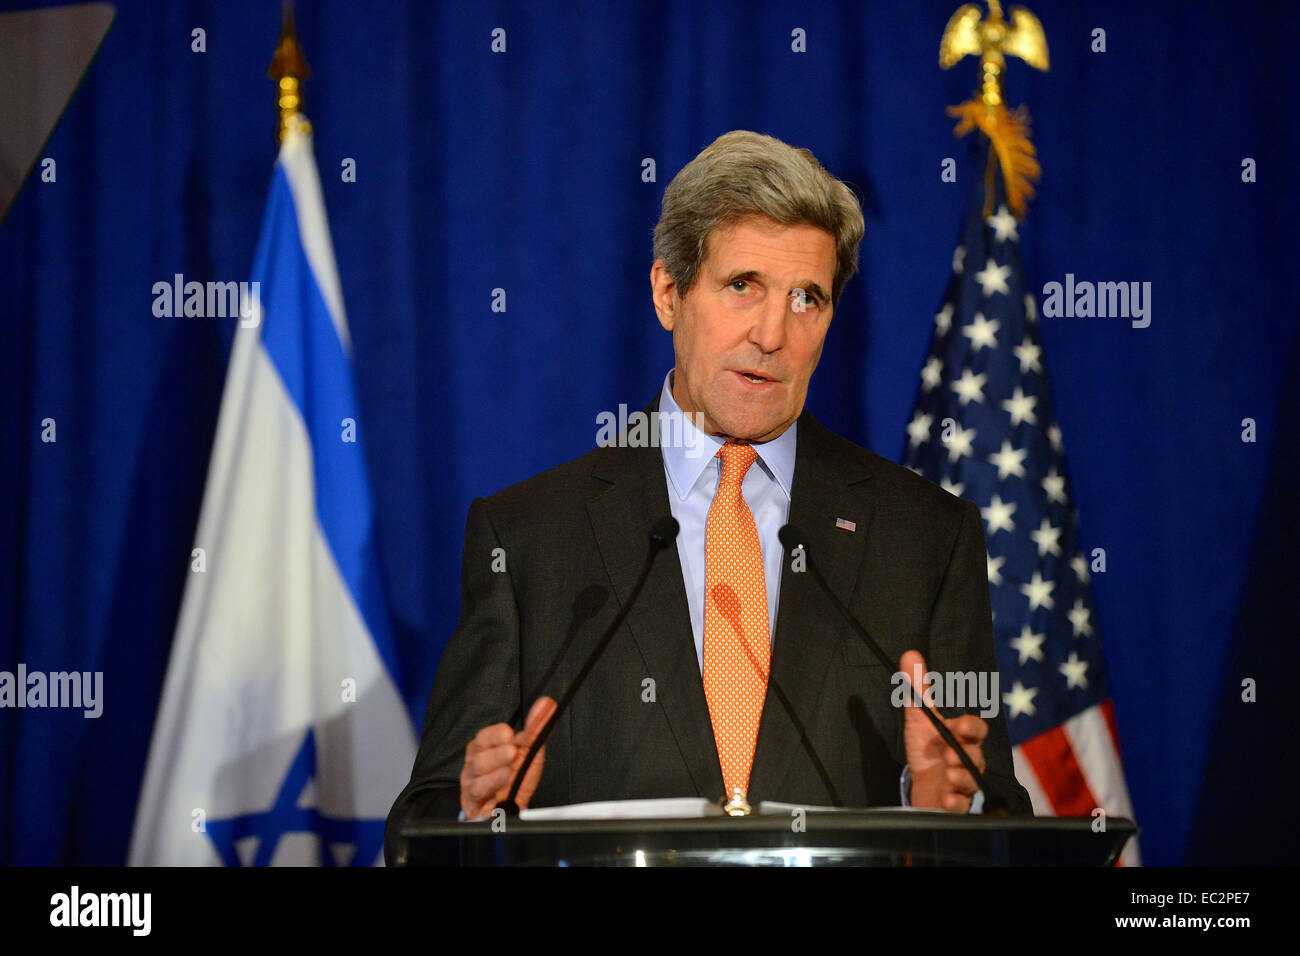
(802, 301)
(743, 285)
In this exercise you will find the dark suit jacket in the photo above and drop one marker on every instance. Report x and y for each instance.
(574, 539)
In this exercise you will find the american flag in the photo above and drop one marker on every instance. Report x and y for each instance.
(984, 429)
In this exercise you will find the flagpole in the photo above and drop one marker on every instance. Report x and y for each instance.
(289, 69)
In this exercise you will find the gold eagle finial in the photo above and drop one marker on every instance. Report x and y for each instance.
(992, 39)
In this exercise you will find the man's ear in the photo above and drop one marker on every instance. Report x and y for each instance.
(663, 292)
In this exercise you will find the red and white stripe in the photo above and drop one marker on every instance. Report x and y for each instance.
(1073, 769)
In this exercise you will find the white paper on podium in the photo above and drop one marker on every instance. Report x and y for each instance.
(666, 808)
(769, 807)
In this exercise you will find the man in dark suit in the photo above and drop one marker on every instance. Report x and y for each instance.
(699, 695)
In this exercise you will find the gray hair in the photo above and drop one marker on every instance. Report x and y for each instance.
(742, 174)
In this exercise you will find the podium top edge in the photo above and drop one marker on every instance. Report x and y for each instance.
(815, 821)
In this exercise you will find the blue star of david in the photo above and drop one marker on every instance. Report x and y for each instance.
(285, 816)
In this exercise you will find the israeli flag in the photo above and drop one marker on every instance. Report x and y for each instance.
(281, 737)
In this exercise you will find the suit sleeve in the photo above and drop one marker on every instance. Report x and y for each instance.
(477, 682)
(961, 639)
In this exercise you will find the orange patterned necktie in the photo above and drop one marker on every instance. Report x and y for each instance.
(736, 634)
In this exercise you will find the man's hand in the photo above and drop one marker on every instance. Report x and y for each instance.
(939, 781)
(493, 758)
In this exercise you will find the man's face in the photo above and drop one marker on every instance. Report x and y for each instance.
(746, 343)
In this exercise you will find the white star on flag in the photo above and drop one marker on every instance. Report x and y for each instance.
(1047, 538)
(1021, 407)
(994, 568)
(958, 258)
(1039, 592)
(1080, 567)
(1004, 225)
(993, 278)
(932, 374)
(953, 488)
(1054, 485)
(943, 319)
(1075, 671)
(998, 515)
(1029, 646)
(1020, 700)
(1080, 619)
(1010, 461)
(970, 387)
(918, 430)
(1028, 353)
(960, 443)
(1054, 436)
(982, 332)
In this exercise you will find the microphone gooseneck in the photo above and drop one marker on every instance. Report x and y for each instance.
(792, 539)
(662, 534)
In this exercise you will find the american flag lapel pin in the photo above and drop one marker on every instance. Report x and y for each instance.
(846, 524)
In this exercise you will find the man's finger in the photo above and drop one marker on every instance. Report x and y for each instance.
(485, 761)
(912, 666)
(968, 728)
(538, 715)
(486, 785)
(957, 803)
(493, 735)
(961, 781)
(531, 779)
(488, 757)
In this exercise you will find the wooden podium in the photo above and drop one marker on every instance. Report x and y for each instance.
(839, 838)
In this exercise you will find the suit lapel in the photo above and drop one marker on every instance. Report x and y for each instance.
(633, 497)
(824, 489)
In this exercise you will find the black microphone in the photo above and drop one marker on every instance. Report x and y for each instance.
(792, 539)
(662, 534)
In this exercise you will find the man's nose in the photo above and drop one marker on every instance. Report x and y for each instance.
(768, 331)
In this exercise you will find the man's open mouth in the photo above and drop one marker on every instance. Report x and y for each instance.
(754, 378)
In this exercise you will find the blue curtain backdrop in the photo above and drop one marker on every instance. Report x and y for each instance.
(522, 171)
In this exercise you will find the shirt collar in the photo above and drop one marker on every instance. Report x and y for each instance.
(686, 460)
